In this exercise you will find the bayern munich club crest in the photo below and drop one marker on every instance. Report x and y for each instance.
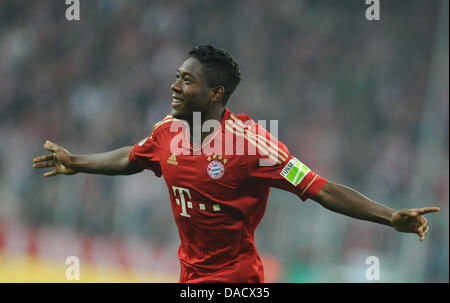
(215, 169)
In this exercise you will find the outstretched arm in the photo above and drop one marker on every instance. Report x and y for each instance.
(346, 201)
(115, 162)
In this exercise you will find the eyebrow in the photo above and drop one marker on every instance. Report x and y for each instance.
(185, 73)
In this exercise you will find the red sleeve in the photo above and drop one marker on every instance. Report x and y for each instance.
(275, 166)
(146, 155)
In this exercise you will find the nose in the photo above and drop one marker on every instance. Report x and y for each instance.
(175, 86)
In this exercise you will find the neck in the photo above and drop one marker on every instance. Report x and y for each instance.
(211, 115)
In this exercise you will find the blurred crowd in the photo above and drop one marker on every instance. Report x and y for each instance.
(350, 97)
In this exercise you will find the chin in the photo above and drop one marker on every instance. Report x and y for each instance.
(178, 115)
(175, 114)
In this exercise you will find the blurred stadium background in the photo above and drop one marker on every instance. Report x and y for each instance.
(363, 103)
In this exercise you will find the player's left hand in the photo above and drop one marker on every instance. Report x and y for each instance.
(412, 220)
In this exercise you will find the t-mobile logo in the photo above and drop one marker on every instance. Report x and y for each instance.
(182, 201)
(184, 194)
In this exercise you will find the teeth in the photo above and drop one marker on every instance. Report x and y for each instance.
(175, 100)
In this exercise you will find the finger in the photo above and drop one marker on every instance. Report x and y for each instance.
(421, 235)
(420, 229)
(426, 210)
(423, 221)
(424, 232)
(50, 146)
(44, 158)
(44, 164)
(406, 213)
(51, 173)
(410, 213)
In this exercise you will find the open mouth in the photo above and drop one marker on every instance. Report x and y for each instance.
(176, 102)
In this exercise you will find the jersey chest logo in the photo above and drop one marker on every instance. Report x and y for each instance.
(216, 167)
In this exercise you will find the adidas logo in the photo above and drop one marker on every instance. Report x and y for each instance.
(172, 160)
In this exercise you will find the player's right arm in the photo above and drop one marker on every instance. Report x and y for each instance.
(111, 163)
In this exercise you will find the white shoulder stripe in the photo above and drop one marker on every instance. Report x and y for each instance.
(262, 142)
(259, 146)
(162, 122)
(268, 142)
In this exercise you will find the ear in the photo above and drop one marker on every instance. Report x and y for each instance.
(216, 93)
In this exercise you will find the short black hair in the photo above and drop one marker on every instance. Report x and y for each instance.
(220, 67)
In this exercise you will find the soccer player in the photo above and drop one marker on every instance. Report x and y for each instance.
(219, 179)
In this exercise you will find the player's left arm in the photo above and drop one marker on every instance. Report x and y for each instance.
(346, 201)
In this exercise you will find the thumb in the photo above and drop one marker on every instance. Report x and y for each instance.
(50, 146)
(412, 212)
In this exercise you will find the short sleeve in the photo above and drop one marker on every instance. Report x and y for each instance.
(276, 167)
(146, 154)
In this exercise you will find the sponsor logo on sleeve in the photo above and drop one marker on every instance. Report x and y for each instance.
(294, 171)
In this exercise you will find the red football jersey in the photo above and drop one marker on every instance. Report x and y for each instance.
(219, 191)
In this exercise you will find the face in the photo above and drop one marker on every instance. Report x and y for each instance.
(190, 90)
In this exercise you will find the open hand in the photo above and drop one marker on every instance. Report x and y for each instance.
(412, 220)
(60, 159)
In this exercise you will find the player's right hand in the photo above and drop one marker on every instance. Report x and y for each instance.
(60, 159)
